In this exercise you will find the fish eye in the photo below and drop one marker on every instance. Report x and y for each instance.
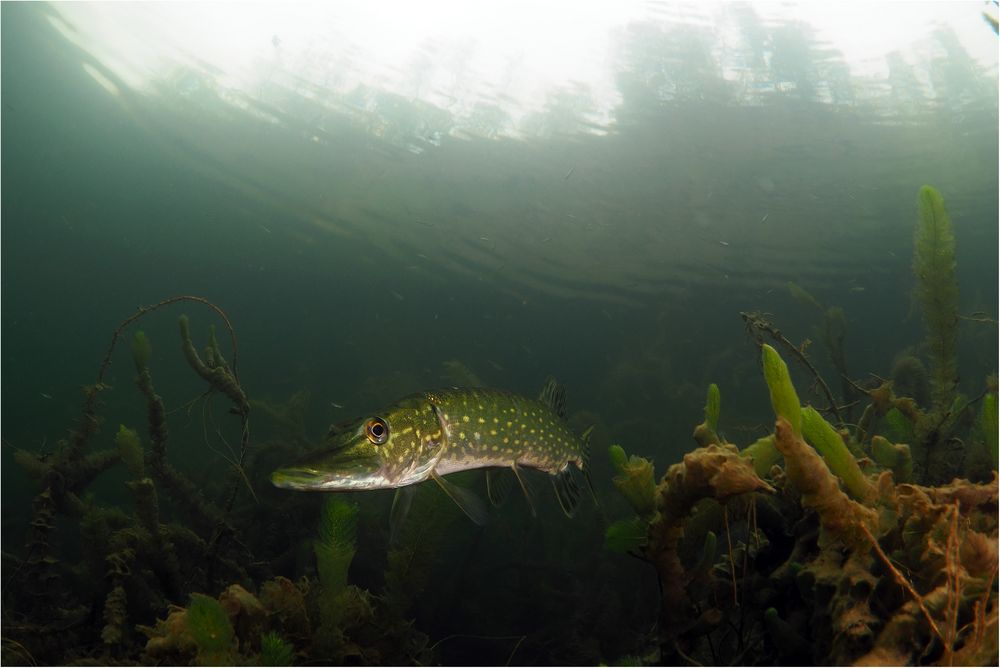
(377, 430)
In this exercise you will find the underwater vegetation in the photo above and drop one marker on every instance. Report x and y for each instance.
(827, 542)
(830, 539)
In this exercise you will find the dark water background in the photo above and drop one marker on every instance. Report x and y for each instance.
(356, 263)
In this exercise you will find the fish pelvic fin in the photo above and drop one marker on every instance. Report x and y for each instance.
(465, 499)
(526, 488)
(567, 491)
(553, 395)
(499, 482)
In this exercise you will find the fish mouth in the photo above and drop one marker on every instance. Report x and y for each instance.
(337, 471)
(304, 478)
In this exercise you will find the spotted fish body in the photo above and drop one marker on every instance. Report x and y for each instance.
(432, 434)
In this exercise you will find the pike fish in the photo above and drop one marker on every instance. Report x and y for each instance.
(428, 435)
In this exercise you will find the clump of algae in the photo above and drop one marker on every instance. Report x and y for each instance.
(875, 572)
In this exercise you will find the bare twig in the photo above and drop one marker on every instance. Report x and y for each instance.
(756, 322)
(901, 579)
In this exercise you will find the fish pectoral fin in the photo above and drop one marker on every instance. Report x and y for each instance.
(401, 503)
(528, 493)
(465, 499)
(499, 482)
(567, 490)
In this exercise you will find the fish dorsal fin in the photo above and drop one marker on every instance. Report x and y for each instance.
(553, 395)
(499, 482)
(470, 504)
(567, 491)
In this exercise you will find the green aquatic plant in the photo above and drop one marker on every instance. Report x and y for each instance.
(937, 291)
(821, 435)
(893, 456)
(988, 426)
(763, 453)
(335, 544)
(130, 448)
(626, 535)
(707, 432)
(784, 399)
(274, 651)
(634, 480)
(142, 350)
(899, 428)
(211, 630)
(785, 402)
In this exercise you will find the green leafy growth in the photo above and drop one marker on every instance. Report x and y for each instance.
(937, 291)
(895, 457)
(784, 399)
(899, 428)
(130, 447)
(764, 455)
(802, 295)
(142, 351)
(988, 426)
(626, 535)
(211, 630)
(821, 435)
(335, 544)
(274, 651)
(634, 480)
(713, 403)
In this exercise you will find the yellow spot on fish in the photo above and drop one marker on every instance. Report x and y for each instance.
(465, 418)
(406, 430)
(493, 432)
(506, 440)
(480, 420)
(461, 434)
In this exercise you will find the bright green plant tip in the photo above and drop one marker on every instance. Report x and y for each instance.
(142, 350)
(130, 448)
(713, 403)
(784, 399)
(821, 435)
(618, 458)
(634, 480)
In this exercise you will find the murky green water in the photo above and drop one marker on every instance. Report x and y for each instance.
(384, 203)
